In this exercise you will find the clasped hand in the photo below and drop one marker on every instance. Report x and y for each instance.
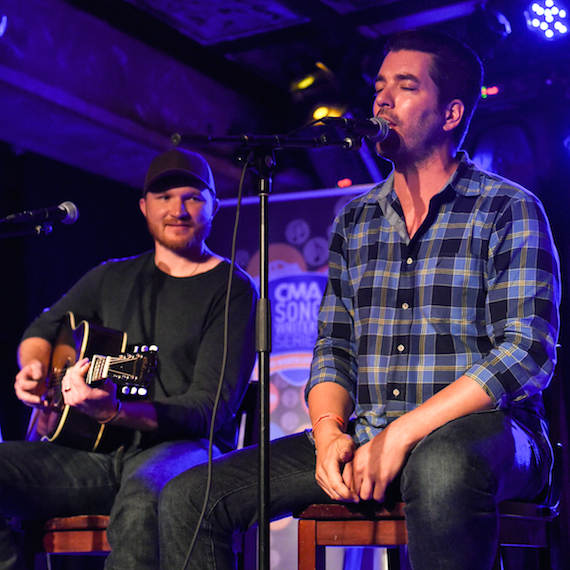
(349, 474)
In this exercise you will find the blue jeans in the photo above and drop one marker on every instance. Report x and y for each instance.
(451, 484)
(42, 480)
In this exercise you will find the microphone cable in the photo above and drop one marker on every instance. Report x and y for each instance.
(224, 362)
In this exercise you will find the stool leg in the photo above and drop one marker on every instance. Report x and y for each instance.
(393, 555)
(498, 564)
(321, 559)
(545, 561)
(310, 555)
(404, 560)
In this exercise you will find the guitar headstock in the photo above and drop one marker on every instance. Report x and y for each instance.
(132, 372)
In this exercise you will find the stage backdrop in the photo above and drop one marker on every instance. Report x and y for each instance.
(299, 229)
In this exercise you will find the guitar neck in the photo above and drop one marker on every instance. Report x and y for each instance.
(132, 373)
(99, 370)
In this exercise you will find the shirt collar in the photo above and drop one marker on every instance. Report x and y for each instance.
(465, 181)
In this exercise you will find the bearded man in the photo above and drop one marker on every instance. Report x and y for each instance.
(175, 297)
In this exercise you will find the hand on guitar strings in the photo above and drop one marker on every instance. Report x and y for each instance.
(100, 403)
(30, 385)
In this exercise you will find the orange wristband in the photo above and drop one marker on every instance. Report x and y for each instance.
(329, 416)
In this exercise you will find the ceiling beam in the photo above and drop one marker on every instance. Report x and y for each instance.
(78, 90)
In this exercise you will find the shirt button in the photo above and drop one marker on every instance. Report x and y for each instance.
(401, 348)
(409, 261)
(405, 306)
(396, 392)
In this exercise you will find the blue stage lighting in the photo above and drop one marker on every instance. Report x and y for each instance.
(548, 18)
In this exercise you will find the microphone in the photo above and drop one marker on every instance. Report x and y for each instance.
(66, 213)
(375, 129)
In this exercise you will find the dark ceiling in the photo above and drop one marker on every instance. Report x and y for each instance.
(275, 41)
(253, 50)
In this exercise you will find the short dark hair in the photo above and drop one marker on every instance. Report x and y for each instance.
(456, 71)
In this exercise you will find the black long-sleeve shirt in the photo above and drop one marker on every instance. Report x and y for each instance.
(184, 317)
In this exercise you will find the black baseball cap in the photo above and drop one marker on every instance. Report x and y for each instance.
(178, 167)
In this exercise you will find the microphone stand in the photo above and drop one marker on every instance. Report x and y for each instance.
(263, 147)
(37, 230)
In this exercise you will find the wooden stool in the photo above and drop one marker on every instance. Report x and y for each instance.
(75, 536)
(343, 524)
(87, 534)
(83, 534)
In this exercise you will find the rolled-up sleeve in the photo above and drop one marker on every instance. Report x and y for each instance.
(334, 358)
(522, 305)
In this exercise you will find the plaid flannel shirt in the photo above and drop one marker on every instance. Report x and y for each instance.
(475, 292)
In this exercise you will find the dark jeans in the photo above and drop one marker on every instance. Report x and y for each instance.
(451, 484)
(42, 480)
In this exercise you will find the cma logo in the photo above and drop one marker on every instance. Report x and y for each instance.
(297, 301)
(298, 291)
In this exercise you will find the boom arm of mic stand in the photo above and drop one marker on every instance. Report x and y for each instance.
(277, 142)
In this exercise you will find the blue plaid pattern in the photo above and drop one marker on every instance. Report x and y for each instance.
(476, 291)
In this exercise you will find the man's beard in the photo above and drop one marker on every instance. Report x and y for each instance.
(183, 243)
(396, 150)
(389, 147)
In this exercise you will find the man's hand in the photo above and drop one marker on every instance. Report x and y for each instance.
(30, 384)
(334, 450)
(378, 462)
(375, 465)
(99, 403)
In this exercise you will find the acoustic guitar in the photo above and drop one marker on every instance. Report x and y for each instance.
(132, 372)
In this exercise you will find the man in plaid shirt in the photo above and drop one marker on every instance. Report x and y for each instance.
(437, 336)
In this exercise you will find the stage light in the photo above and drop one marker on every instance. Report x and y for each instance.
(323, 111)
(303, 83)
(547, 18)
(489, 91)
(322, 75)
(344, 183)
(317, 94)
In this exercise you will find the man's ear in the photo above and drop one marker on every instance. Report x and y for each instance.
(454, 112)
(142, 206)
(215, 207)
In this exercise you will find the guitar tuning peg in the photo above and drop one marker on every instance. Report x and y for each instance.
(153, 348)
(135, 349)
(144, 348)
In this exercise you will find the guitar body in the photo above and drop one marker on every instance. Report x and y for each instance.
(60, 423)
